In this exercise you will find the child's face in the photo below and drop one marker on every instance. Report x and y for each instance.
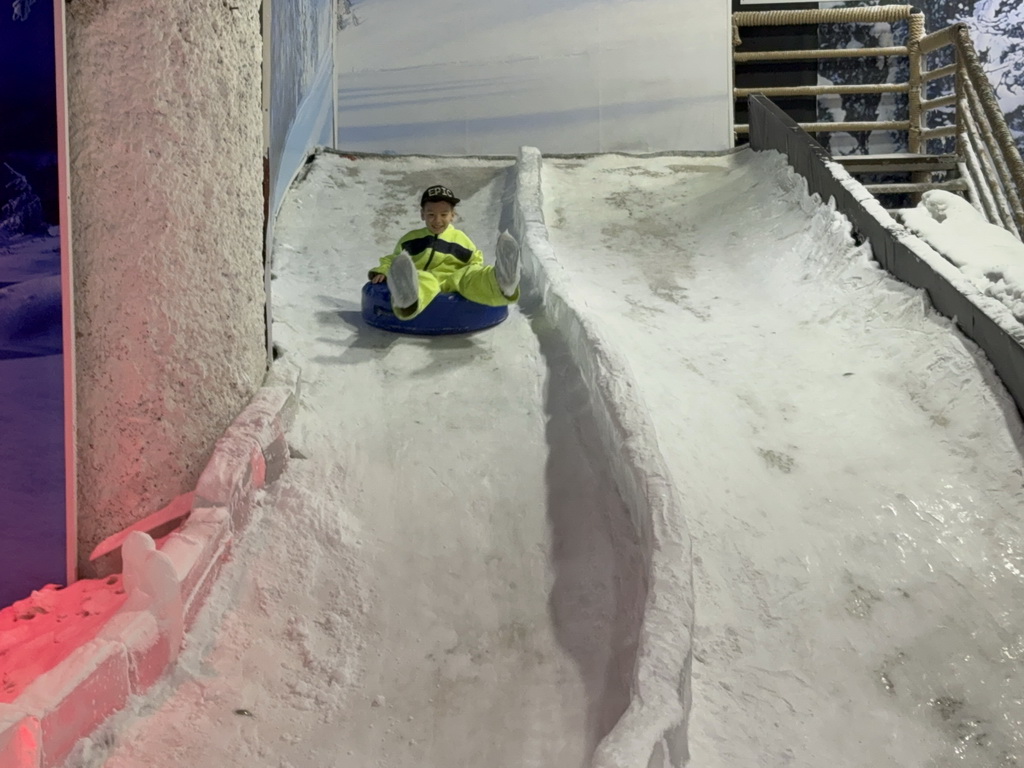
(437, 216)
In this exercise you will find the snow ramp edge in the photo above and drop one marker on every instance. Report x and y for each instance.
(652, 732)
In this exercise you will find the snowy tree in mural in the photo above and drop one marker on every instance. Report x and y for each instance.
(861, 107)
(346, 15)
(22, 9)
(997, 28)
(21, 211)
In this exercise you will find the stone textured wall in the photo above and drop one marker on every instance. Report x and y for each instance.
(166, 194)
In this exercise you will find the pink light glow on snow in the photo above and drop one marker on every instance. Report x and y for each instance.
(39, 632)
(24, 747)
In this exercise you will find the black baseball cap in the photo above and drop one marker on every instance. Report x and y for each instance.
(438, 194)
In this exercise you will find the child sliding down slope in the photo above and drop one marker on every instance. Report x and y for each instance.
(440, 258)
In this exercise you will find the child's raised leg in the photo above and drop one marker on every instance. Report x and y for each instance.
(478, 283)
(494, 286)
(506, 264)
(411, 290)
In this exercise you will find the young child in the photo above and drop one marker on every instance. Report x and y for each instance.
(440, 258)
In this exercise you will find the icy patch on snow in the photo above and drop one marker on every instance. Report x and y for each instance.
(819, 421)
(991, 257)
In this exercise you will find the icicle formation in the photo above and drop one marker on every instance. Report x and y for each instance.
(22, 8)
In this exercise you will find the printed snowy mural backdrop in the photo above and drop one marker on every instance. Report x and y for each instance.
(997, 28)
(22, 9)
(33, 526)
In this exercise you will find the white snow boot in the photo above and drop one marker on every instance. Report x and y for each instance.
(403, 282)
(506, 264)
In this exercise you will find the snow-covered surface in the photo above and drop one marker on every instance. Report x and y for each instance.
(991, 257)
(445, 575)
(850, 467)
(997, 311)
(448, 577)
(39, 631)
(472, 77)
(653, 728)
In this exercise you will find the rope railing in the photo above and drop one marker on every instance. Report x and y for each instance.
(867, 15)
(937, 74)
(942, 101)
(990, 165)
(983, 139)
(942, 132)
(915, 32)
(820, 53)
(870, 14)
(873, 125)
(937, 40)
(990, 117)
(811, 90)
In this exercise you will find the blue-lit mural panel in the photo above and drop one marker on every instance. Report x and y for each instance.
(36, 518)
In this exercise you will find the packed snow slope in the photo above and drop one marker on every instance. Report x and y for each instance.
(849, 465)
(445, 575)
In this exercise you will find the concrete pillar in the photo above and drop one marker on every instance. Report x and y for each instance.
(167, 203)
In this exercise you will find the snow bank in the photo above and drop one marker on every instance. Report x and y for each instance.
(70, 658)
(30, 315)
(991, 257)
(653, 730)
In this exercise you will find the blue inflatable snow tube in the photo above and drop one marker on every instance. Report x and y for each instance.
(448, 313)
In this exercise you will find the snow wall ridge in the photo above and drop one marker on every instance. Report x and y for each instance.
(166, 586)
(652, 733)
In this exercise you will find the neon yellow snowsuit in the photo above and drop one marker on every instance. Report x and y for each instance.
(448, 262)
